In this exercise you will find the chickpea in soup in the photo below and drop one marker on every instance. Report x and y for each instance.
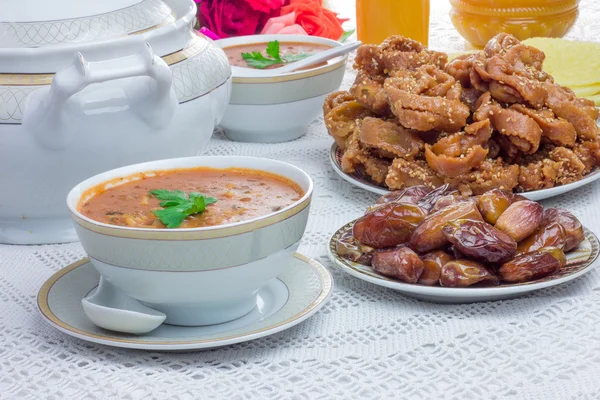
(147, 199)
(234, 53)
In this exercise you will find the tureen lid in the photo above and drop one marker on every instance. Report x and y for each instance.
(39, 23)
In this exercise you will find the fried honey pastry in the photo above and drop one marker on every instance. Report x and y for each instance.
(369, 57)
(404, 173)
(469, 97)
(390, 137)
(335, 99)
(342, 120)
(369, 60)
(589, 154)
(537, 175)
(493, 149)
(511, 71)
(460, 68)
(521, 129)
(369, 92)
(509, 83)
(400, 53)
(570, 168)
(396, 53)
(469, 70)
(564, 105)
(427, 80)
(461, 152)
(443, 84)
(507, 150)
(515, 70)
(423, 113)
(561, 166)
(356, 156)
(499, 44)
(490, 174)
(555, 130)
(587, 106)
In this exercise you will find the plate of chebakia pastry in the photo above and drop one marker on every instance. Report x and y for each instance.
(491, 119)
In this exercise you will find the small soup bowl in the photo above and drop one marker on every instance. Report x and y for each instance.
(196, 276)
(270, 109)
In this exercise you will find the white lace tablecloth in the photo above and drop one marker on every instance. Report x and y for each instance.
(367, 342)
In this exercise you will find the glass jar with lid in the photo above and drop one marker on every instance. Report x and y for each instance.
(480, 20)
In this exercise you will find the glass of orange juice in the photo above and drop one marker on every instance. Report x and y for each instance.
(378, 19)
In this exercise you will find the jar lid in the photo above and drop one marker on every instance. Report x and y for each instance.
(40, 23)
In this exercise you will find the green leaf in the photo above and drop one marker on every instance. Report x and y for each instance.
(273, 50)
(177, 206)
(198, 205)
(207, 199)
(346, 35)
(163, 194)
(172, 217)
(257, 60)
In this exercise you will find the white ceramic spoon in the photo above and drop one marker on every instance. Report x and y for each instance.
(109, 308)
(293, 66)
(318, 58)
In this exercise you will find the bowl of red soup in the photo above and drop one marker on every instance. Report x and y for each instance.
(268, 107)
(195, 238)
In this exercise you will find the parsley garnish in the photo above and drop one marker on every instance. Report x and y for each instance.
(257, 60)
(177, 206)
(346, 35)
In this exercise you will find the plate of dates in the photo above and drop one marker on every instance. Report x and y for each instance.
(441, 246)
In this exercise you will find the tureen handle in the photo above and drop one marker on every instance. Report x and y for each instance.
(154, 103)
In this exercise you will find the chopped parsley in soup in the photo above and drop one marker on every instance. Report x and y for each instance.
(273, 54)
(189, 198)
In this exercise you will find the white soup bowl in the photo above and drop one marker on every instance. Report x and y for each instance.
(196, 276)
(270, 109)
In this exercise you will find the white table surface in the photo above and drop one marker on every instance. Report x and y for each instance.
(367, 342)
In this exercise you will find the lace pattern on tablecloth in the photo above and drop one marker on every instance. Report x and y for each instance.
(367, 342)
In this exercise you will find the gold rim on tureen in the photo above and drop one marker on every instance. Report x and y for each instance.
(46, 79)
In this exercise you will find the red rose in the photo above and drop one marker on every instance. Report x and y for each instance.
(265, 6)
(316, 20)
(229, 17)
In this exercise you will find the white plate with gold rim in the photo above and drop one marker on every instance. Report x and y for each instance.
(294, 296)
(579, 261)
(360, 179)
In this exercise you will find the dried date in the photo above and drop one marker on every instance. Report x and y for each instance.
(432, 266)
(448, 200)
(464, 273)
(549, 235)
(347, 247)
(429, 200)
(480, 240)
(573, 228)
(454, 252)
(429, 236)
(493, 203)
(400, 262)
(388, 225)
(410, 195)
(520, 219)
(533, 265)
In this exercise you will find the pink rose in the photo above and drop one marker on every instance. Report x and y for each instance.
(285, 24)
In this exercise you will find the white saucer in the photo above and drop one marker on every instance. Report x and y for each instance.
(362, 180)
(579, 261)
(291, 298)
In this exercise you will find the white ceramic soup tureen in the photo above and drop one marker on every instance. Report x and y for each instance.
(87, 86)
